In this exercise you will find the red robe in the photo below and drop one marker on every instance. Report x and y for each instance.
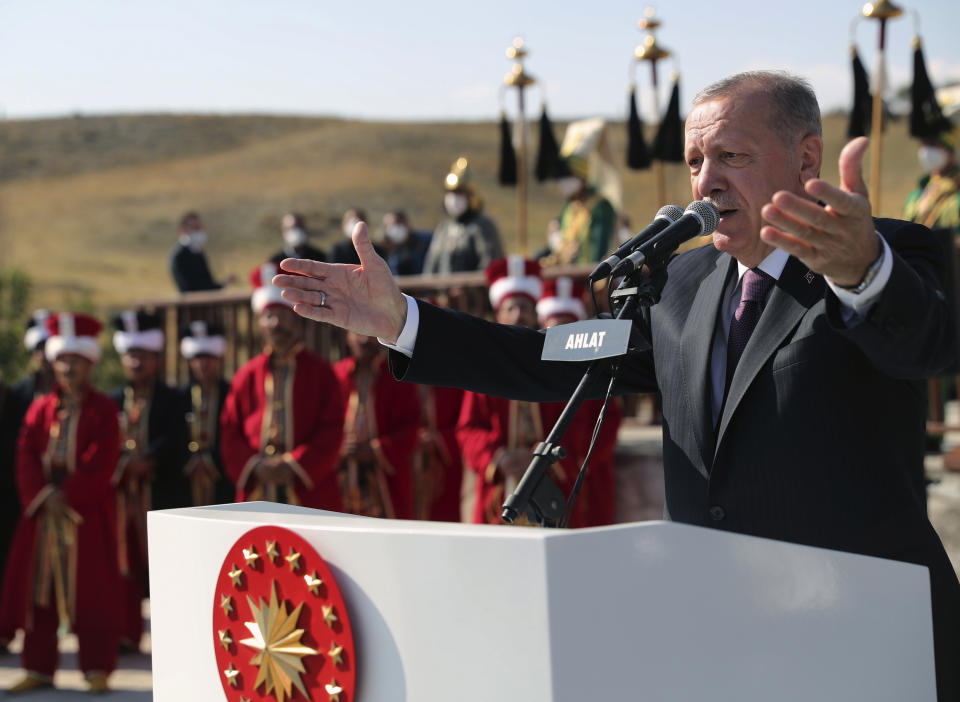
(396, 409)
(597, 503)
(315, 412)
(91, 461)
(439, 453)
(485, 429)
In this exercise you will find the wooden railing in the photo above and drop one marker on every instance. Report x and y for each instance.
(231, 308)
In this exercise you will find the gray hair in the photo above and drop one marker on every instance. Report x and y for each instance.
(794, 110)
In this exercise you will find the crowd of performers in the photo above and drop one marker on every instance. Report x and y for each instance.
(289, 427)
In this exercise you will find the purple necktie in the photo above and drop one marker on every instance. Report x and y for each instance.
(754, 289)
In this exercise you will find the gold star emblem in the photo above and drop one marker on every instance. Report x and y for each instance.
(279, 650)
(293, 559)
(333, 690)
(272, 551)
(251, 556)
(235, 575)
(313, 583)
(336, 653)
(231, 674)
(225, 639)
(226, 603)
(328, 615)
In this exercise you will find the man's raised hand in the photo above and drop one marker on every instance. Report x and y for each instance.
(838, 240)
(364, 299)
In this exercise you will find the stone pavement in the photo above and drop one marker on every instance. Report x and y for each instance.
(131, 682)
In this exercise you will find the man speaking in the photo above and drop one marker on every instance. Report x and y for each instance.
(790, 356)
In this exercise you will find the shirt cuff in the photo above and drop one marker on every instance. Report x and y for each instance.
(857, 305)
(408, 335)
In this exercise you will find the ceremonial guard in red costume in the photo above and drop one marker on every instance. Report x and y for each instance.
(562, 303)
(203, 345)
(381, 425)
(149, 474)
(496, 435)
(14, 402)
(282, 422)
(437, 463)
(65, 544)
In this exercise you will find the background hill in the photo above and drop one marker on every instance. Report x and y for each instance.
(89, 205)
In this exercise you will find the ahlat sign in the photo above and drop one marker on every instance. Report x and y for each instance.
(586, 341)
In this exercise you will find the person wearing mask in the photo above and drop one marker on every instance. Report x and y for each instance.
(188, 262)
(935, 203)
(65, 543)
(467, 240)
(282, 422)
(497, 435)
(404, 249)
(343, 251)
(592, 192)
(203, 345)
(296, 240)
(381, 422)
(149, 474)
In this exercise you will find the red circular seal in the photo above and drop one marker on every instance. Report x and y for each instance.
(280, 625)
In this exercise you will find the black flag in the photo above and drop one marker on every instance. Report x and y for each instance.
(668, 144)
(862, 112)
(508, 158)
(548, 154)
(638, 156)
(926, 117)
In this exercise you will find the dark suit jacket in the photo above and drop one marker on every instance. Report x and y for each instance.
(820, 440)
(224, 491)
(167, 444)
(190, 270)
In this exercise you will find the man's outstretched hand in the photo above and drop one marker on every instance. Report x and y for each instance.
(837, 240)
(364, 299)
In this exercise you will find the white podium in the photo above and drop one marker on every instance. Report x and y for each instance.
(654, 611)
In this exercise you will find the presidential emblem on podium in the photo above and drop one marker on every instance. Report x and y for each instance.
(280, 624)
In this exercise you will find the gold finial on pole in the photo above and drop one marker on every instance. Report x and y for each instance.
(880, 11)
(518, 78)
(651, 52)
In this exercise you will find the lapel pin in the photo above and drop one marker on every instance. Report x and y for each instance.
(809, 276)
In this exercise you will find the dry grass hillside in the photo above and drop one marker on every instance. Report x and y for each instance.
(89, 205)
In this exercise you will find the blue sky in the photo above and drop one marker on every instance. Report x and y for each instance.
(422, 60)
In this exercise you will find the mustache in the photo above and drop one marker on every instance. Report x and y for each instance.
(723, 203)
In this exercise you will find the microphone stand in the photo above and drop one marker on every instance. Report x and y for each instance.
(536, 495)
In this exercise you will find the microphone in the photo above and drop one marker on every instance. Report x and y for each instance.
(666, 215)
(700, 219)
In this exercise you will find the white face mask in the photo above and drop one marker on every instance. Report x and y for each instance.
(455, 204)
(570, 185)
(397, 233)
(294, 237)
(198, 239)
(555, 240)
(348, 227)
(932, 158)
